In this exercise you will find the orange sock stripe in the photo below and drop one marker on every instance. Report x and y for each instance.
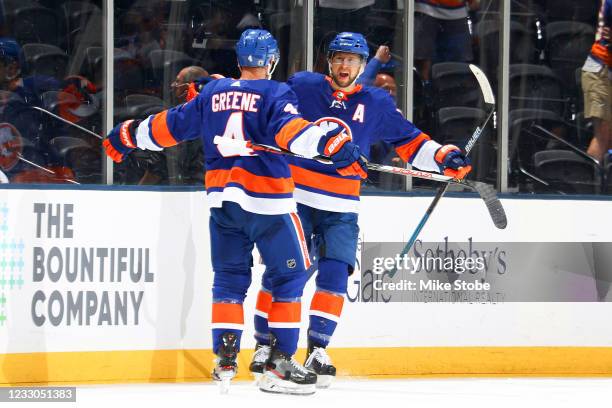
(264, 301)
(285, 312)
(227, 313)
(327, 303)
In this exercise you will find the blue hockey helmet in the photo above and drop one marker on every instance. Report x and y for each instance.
(256, 48)
(353, 43)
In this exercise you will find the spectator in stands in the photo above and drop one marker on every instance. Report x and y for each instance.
(386, 82)
(181, 164)
(596, 85)
(443, 34)
(190, 156)
(35, 129)
(378, 62)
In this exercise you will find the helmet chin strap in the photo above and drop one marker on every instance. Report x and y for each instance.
(271, 67)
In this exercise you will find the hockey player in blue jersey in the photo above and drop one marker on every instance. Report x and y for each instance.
(328, 203)
(251, 198)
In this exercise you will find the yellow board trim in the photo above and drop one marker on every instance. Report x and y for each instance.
(195, 365)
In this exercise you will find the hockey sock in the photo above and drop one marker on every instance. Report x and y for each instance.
(226, 317)
(284, 323)
(325, 310)
(262, 309)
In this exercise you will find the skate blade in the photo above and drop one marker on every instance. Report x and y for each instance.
(224, 379)
(257, 377)
(224, 385)
(278, 386)
(324, 381)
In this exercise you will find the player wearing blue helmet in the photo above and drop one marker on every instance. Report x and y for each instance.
(346, 56)
(328, 203)
(258, 48)
(251, 198)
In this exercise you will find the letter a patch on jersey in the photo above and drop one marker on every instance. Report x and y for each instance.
(359, 113)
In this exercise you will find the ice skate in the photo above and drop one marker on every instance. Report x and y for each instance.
(226, 367)
(319, 362)
(257, 366)
(284, 375)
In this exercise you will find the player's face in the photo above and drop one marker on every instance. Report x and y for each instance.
(345, 68)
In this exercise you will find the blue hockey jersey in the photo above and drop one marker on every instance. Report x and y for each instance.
(260, 111)
(368, 114)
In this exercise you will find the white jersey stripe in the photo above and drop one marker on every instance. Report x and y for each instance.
(325, 202)
(306, 143)
(268, 206)
(424, 159)
(143, 140)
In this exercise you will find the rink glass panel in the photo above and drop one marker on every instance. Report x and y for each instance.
(549, 135)
(382, 23)
(162, 38)
(154, 40)
(57, 66)
(447, 101)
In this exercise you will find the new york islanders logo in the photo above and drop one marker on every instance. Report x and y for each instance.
(328, 123)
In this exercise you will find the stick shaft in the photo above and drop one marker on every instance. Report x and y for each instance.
(485, 88)
(67, 122)
(38, 166)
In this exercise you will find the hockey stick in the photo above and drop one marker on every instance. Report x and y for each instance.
(11, 147)
(489, 100)
(485, 191)
(67, 122)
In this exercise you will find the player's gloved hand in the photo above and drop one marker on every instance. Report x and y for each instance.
(345, 155)
(196, 86)
(452, 161)
(121, 140)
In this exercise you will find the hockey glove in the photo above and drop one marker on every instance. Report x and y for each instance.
(344, 154)
(452, 162)
(121, 140)
(196, 86)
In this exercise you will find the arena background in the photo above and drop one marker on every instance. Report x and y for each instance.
(63, 320)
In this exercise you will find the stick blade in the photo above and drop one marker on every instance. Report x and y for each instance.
(485, 86)
(489, 195)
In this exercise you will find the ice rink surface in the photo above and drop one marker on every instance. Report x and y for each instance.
(377, 393)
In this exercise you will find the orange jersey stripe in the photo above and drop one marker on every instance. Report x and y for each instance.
(250, 181)
(288, 132)
(601, 52)
(327, 302)
(320, 181)
(300, 231)
(227, 313)
(407, 151)
(285, 312)
(264, 301)
(160, 132)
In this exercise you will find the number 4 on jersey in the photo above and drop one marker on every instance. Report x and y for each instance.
(234, 131)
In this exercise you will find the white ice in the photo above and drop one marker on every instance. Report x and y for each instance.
(373, 393)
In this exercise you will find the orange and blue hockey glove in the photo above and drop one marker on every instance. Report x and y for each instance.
(121, 140)
(196, 86)
(452, 161)
(344, 154)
